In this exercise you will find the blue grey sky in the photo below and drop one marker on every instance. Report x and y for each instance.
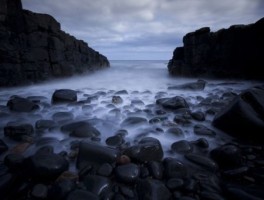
(144, 29)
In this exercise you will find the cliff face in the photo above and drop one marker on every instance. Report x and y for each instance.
(34, 48)
(236, 52)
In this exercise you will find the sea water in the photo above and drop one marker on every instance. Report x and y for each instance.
(143, 80)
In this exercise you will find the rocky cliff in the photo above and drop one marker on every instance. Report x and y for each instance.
(34, 48)
(236, 52)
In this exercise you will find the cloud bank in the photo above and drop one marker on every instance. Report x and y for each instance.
(145, 29)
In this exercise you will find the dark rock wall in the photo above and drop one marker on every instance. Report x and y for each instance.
(236, 52)
(33, 48)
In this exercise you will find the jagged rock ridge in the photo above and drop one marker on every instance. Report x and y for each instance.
(236, 52)
(34, 48)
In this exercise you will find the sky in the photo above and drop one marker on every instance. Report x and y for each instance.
(144, 29)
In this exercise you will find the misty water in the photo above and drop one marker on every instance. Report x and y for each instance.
(146, 81)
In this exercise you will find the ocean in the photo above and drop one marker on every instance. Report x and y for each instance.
(143, 83)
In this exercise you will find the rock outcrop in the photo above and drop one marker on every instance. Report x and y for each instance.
(34, 48)
(236, 52)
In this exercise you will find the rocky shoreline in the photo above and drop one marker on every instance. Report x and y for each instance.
(107, 144)
(34, 48)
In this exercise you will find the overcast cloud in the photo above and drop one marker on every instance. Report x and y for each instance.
(143, 29)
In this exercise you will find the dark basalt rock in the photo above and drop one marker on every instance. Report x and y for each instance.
(220, 54)
(194, 86)
(152, 189)
(182, 146)
(134, 121)
(62, 116)
(148, 149)
(3, 147)
(173, 103)
(202, 161)
(127, 173)
(227, 156)
(34, 48)
(174, 168)
(156, 169)
(64, 96)
(96, 184)
(244, 116)
(19, 104)
(91, 153)
(39, 191)
(60, 189)
(202, 130)
(44, 124)
(18, 132)
(47, 166)
(116, 141)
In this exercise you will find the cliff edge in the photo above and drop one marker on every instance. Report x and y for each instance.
(34, 48)
(236, 52)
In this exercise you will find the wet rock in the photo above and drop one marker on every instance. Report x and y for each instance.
(173, 103)
(202, 161)
(175, 131)
(62, 116)
(18, 132)
(227, 156)
(156, 120)
(127, 192)
(179, 119)
(236, 172)
(95, 154)
(39, 191)
(3, 147)
(14, 162)
(96, 184)
(160, 112)
(202, 130)
(174, 183)
(152, 189)
(211, 196)
(105, 170)
(115, 141)
(47, 166)
(121, 92)
(235, 192)
(82, 195)
(85, 131)
(64, 96)
(193, 86)
(182, 146)
(174, 168)
(128, 173)
(20, 148)
(199, 116)
(148, 149)
(19, 104)
(244, 115)
(156, 169)
(44, 124)
(60, 189)
(117, 100)
(137, 102)
(134, 121)
(201, 142)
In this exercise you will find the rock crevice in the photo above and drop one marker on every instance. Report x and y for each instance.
(34, 48)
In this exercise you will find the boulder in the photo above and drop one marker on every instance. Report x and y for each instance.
(220, 54)
(147, 149)
(243, 118)
(18, 132)
(173, 103)
(128, 173)
(34, 48)
(19, 104)
(91, 153)
(193, 86)
(64, 96)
